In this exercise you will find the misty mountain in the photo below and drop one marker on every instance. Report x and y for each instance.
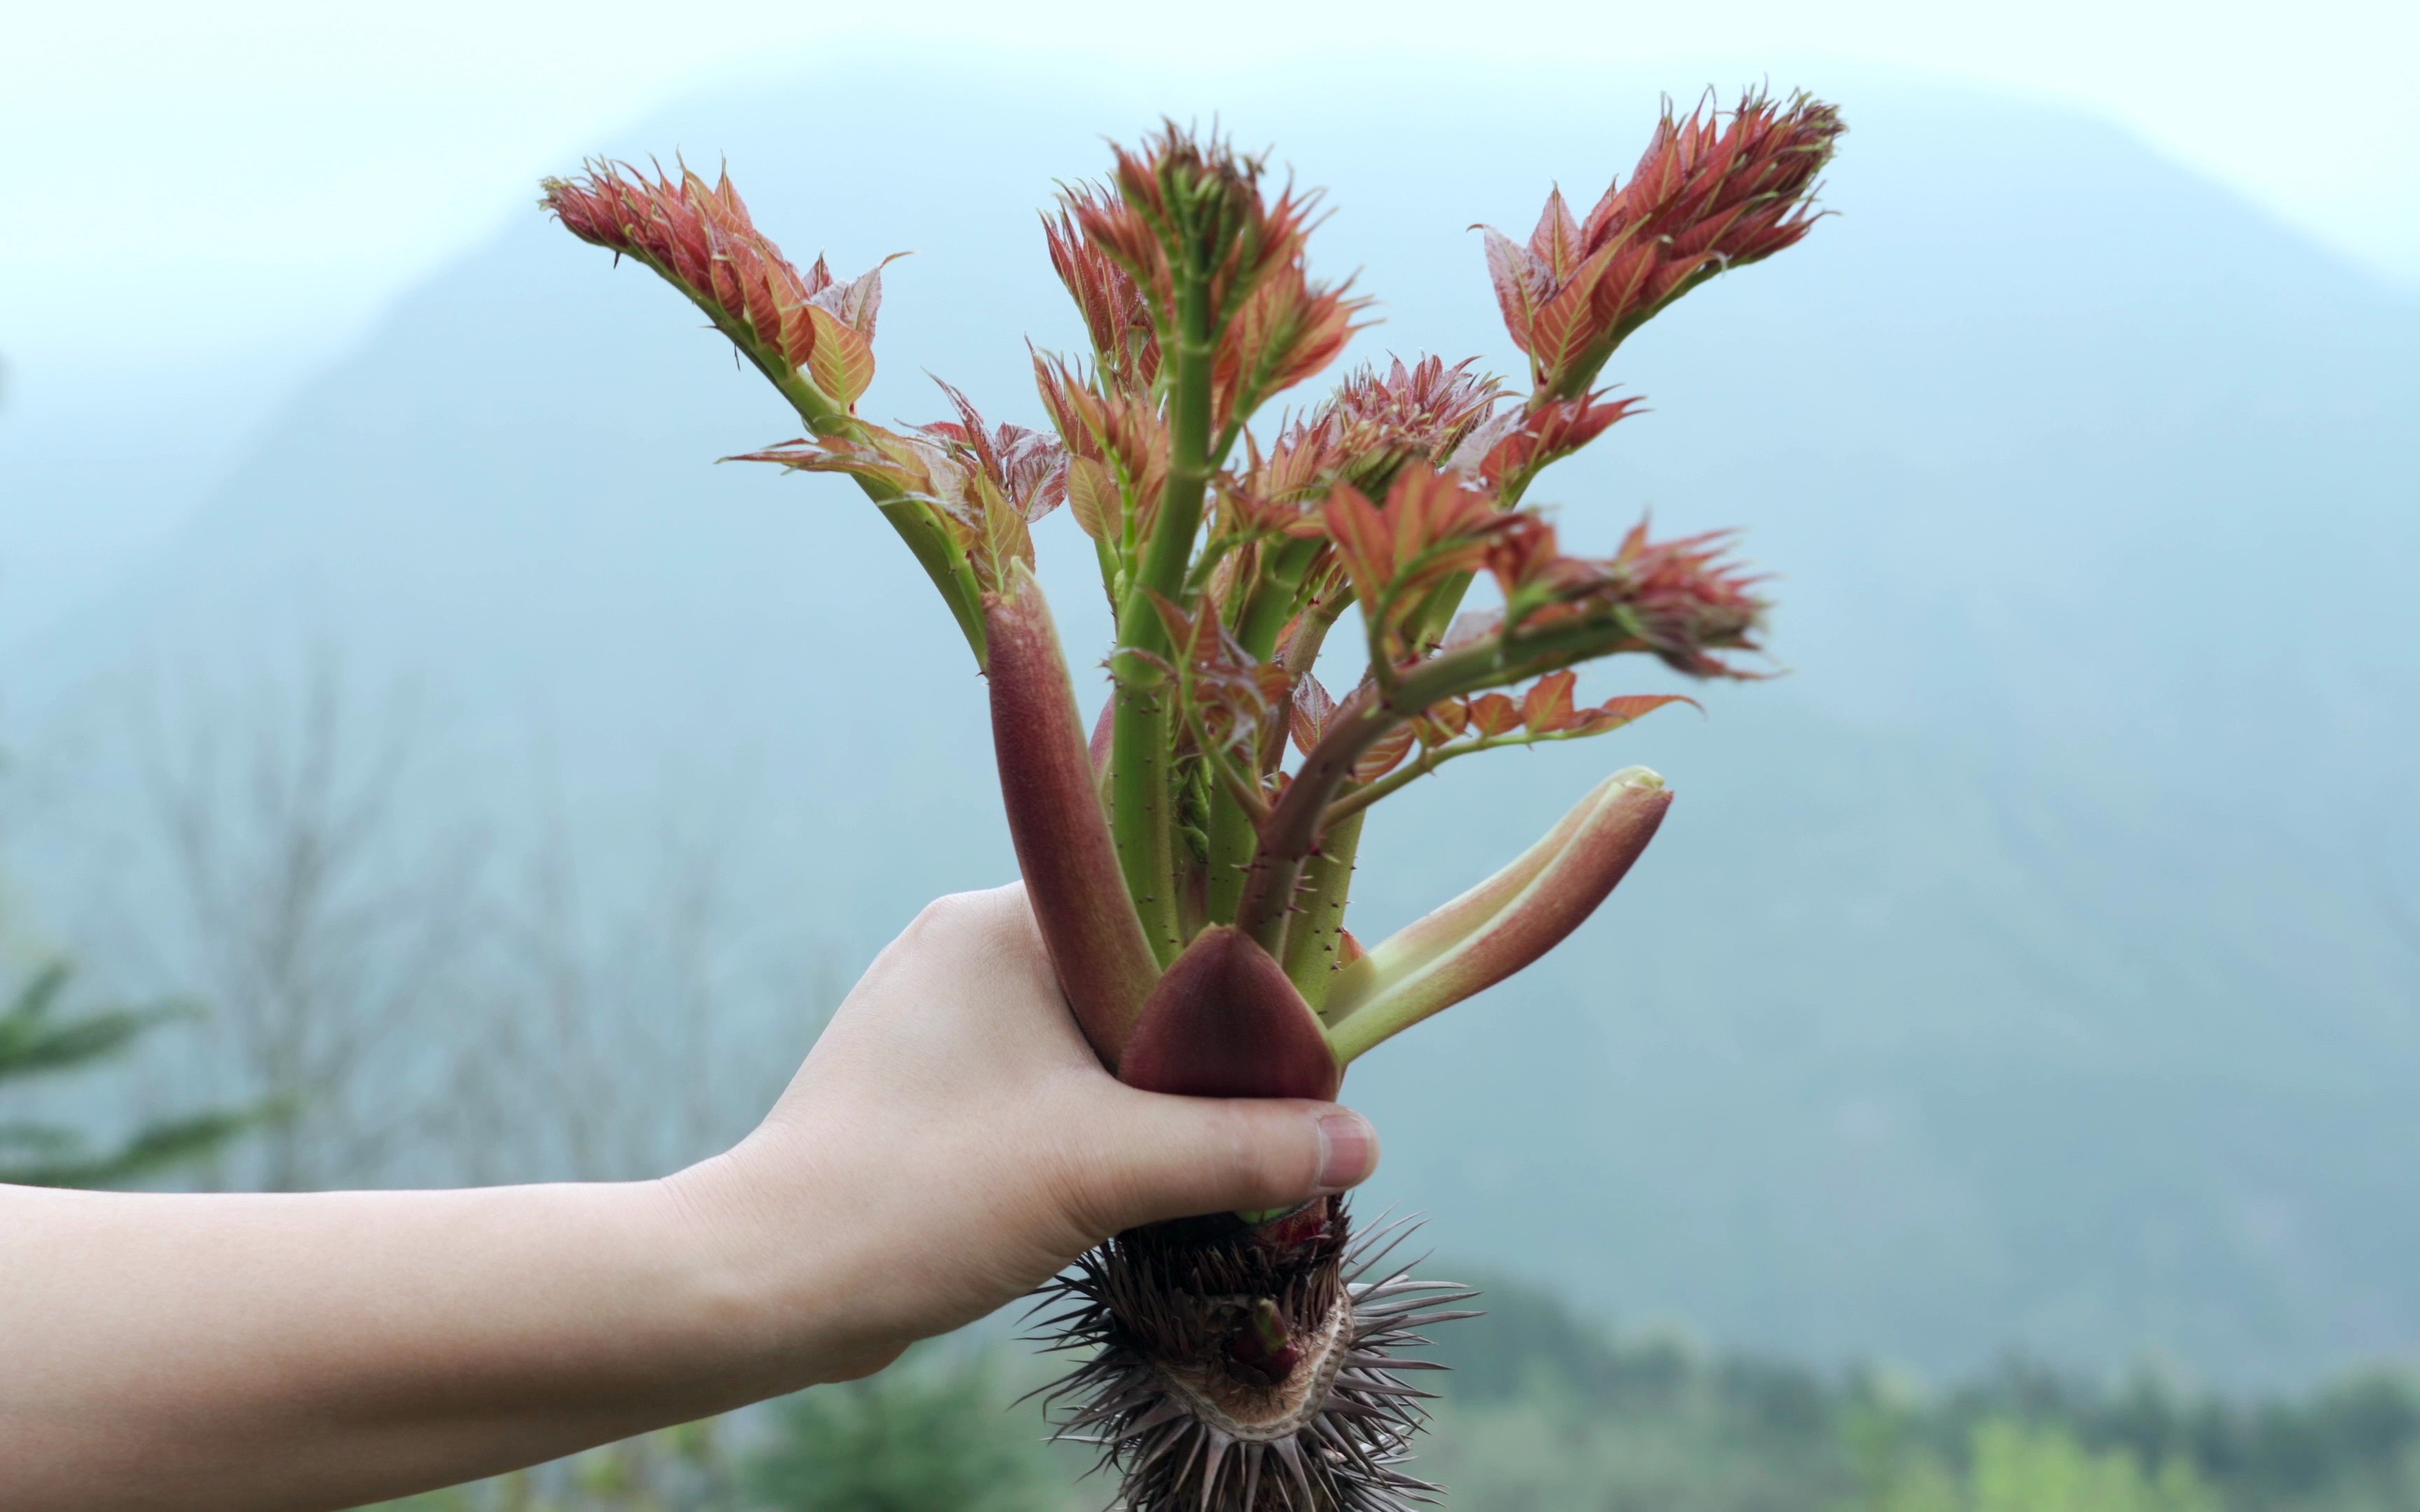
(2030, 967)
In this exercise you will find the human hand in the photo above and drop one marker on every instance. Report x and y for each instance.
(952, 1142)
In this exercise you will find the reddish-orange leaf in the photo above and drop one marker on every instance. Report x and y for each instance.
(1442, 721)
(1092, 498)
(1517, 282)
(1616, 712)
(1547, 706)
(1362, 538)
(1313, 709)
(1493, 714)
(1383, 757)
(1556, 242)
(841, 361)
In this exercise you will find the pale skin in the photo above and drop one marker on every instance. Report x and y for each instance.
(950, 1144)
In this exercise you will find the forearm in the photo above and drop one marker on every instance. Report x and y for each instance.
(951, 1143)
(324, 1350)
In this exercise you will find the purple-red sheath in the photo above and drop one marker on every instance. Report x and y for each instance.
(1071, 878)
(1225, 1022)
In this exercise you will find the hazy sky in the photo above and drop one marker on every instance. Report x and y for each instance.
(204, 201)
(188, 174)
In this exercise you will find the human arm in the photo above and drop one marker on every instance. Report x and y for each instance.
(950, 1144)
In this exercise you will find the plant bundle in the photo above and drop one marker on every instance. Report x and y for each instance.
(1190, 861)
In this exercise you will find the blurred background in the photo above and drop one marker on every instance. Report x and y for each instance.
(1995, 1089)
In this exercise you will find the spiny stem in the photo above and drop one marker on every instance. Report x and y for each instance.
(1292, 831)
(1234, 835)
(1141, 796)
(1170, 550)
(1234, 784)
(1312, 938)
(1233, 827)
(1139, 801)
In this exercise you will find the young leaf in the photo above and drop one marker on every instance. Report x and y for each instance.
(1092, 499)
(841, 361)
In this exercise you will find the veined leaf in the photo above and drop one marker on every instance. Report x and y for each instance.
(842, 362)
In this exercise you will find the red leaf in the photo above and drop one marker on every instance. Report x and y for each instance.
(1442, 721)
(1556, 242)
(840, 362)
(1493, 714)
(1516, 290)
(1383, 757)
(859, 299)
(1273, 680)
(1616, 712)
(1547, 706)
(1092, 498)
(1363, 540)
(1313, 709)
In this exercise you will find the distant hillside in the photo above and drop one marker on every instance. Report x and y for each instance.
(2021, 971)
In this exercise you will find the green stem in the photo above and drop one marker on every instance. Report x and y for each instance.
(912, 518)
(1233, 839)
(1235, 832)
(1310, 943)
(1141, 798)
(946, 567)
(1353, 803)
(1303, 653)
(1272, 602)
(1170, 550)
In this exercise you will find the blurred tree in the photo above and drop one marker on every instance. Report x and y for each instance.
(917, 1438)
(37, 1039)
(2020, 1468)
(325, 924)
(681, 1469)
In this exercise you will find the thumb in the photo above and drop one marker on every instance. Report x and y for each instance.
(1179, 1157)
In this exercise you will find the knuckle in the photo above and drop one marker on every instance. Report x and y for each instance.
(1267, 1167)
(945, 914)
(992, 924)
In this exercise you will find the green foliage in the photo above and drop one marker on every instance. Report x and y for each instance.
(917, 1438)
(2011, 1466)
(2019, 1469)
(1547, 1411)
(680, 1469)
(37, 1039)
(931, 1434)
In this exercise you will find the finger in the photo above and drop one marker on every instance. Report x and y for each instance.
(1177, 1157)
